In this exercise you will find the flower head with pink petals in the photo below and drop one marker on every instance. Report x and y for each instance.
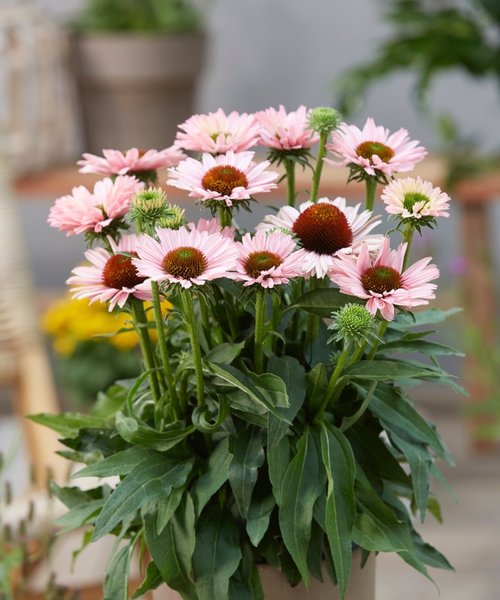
(382, 281)
(374, 151)
(229, 178)
(185, 257)
(212, 226)
(111, 277)
(141, 164)
(324, 229)
(268, 259)
(415, 199)
(98, 211)
(284, 131)
(217, 133)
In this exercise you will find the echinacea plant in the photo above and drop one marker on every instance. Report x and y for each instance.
(271, 423)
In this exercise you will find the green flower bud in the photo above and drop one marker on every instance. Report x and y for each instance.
(353, 324)
(324, 119)
(149, 205)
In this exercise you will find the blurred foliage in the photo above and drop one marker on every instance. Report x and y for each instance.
(429, 37)
(169, 16)
(89, 355)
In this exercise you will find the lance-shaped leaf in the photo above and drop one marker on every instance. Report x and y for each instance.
(141, 434)
(322, 302)
(215, 475)
(116, 580)
(302, 484)
(217, 554)
(147, 482)
(248, 456)
(117, 464)
(259, 516)
(340, 512)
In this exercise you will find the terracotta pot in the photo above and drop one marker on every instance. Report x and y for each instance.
(276, 587)
(135, 89)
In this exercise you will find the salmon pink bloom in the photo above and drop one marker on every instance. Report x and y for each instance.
(415, 199)
(374, 150)
(218, 133)
(133, 162)
(111, 277)
(324, 229)
(83, 211)
(185, 257)
(227, 178)
(268, 259)
(286, 131)
(381, 280)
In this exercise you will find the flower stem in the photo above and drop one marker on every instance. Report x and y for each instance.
(225, 217)
(290, 175)
(332, 384)
(380, 334)
(319, 166)
(260, 310)
(188, 310)
(371, 188)
(141, 325)
(408, 238)
(165, 359)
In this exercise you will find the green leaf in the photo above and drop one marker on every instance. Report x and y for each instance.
(166, 508)
(397, 415)
(424, 317)
(214, 477)
(150, 480)
(245, 583)
(109, 402)
(239, 380)
(118, 464)
(258, 519)
(317, 384)
(419, 462)
(322, 302)
(224, 354)
(278, 459)
(293, 374)
(141, 434)
(302, 484)
(79, 515)
(173, 549)
(116, 580)
(217, 554)
(340, 514)
(386, 370)
(272, 387)
(248, 456)
(68, 424)
(151, 581)
(420, 346)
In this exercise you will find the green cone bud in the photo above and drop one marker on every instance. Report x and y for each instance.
(324, 119)
(353, 324)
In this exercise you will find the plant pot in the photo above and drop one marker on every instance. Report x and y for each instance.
(135, 89)
(276, 587)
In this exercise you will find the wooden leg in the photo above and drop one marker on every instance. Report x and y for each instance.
(479, 301)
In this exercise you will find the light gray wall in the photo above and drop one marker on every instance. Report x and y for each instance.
(267, 52)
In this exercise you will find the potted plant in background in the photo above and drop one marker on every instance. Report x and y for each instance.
(138, 64)
(269, 444)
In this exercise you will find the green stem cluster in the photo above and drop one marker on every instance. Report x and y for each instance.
(260, 313)
(141, 326)
(319, 166)
(331, 391)
(371, 188)
(189, 316)
(290, 176)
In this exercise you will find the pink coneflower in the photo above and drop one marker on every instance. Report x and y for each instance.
(212, 226)
(285, 131)
(415, 198)
(185, 257)
(112, 277)
(268, 259)
(374, 149)
(381, 280)
(227, 178)
(133, 161)
(84, 211)
(218, 133)
(324, 229)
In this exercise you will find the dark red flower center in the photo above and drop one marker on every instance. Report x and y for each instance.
(185, 262)
(119, 272)
(412, 198)
(368, 149)
(323, 228)
(223, 179)
(256, 262)
(381, 279)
